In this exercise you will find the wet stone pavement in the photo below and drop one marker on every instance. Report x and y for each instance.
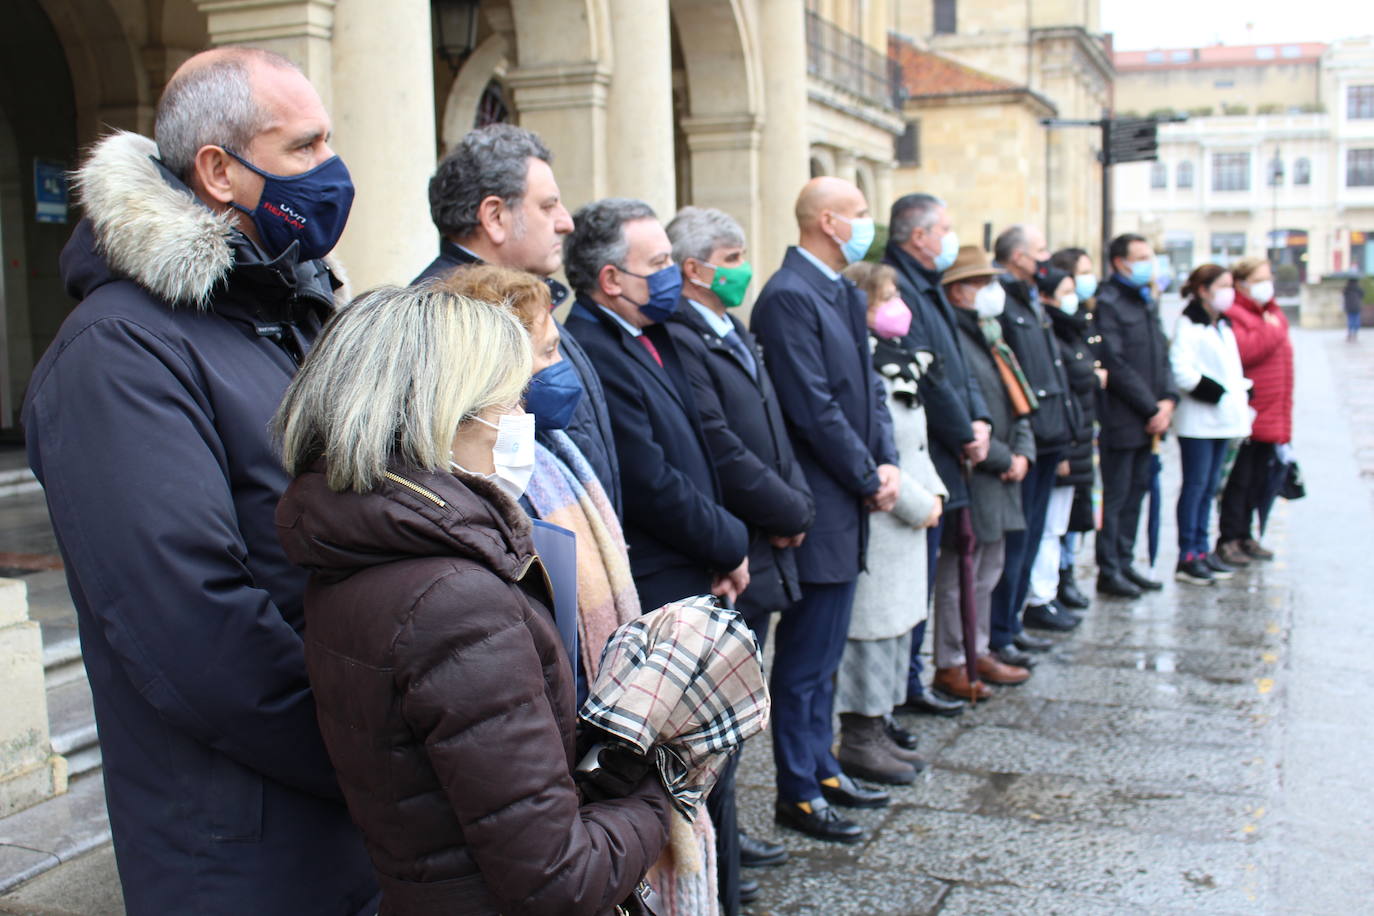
(1202, 750)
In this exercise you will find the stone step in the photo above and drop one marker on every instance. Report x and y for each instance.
(71, 720)
(58, 830)
(17, 481)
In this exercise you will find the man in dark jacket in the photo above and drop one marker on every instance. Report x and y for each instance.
(147, 423)
(920, 247)
(1137, 408)
(494, 200)
(1022, 252)
(760, 479)
(682, 541)
(811, 323)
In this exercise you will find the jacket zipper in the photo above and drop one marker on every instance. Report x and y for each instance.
(416, 488)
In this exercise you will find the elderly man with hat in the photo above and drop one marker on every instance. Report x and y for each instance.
(994, 484)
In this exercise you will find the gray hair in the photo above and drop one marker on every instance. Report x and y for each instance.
(1009, 242)
(912, 212)
(393, 375)
(696, 232)
(212, 104)
(598, 239)
(491, 161)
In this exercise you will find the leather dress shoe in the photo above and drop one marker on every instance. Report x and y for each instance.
(1010, 655)
(756, 853)
(1050, 617)
(898, 735)
(931, 704)
(954, 681)
(818, 820)
(1140, 580)
(843, 791)
(992, 671)
(1117, 586)
(1027, 642)
(748, 890)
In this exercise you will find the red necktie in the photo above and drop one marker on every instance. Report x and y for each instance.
(653, 350)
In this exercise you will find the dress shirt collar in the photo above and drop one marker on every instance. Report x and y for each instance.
(820, 265)
(629, 328)
(721, 324)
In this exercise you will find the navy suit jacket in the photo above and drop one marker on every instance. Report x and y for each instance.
(679, 535)
(814, 335)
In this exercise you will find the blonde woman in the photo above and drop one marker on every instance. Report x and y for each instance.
(443, 690)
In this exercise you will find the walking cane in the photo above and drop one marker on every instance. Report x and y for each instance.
(965, 542)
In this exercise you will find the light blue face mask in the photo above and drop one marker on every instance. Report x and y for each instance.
(1142, 272)
(949, 250)
(1085, 285)
(861, 233)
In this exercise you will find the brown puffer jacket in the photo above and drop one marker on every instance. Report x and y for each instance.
(446, 702)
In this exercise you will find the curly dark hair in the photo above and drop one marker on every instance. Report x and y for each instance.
(598, 239)
(490, 161)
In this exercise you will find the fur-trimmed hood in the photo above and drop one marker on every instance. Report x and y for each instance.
(145, 224)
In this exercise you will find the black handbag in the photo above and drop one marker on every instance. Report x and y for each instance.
(1292, 486)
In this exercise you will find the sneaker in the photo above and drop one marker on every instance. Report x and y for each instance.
(1194, 571)
(1221, 570)
(1253, 548)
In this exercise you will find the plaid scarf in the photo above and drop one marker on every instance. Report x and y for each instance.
(1023, 399)
(564, 491)
(683, 684)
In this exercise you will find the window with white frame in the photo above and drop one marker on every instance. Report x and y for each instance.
(1159, 176)
(1183, 175)
(1230, 171)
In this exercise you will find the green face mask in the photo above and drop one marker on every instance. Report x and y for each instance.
(731, 283)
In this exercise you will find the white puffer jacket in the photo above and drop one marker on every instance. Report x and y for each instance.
(1213, 390)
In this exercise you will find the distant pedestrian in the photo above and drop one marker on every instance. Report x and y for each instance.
(1353, 299)
(1266, 355)
(1213, 410)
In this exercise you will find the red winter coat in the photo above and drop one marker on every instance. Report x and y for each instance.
(1266, 354)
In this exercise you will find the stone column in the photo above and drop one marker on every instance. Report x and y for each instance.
(383, 77)
(29, 770)
(566, 105)
(725, 169)
(298, 29)
(639, 109)
(783, 141)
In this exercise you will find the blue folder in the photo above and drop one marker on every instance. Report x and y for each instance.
(557, 549)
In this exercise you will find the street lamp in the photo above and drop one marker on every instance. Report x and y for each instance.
(455, 29)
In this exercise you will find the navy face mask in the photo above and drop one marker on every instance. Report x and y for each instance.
(310, 208)
(553, 395)
(665, 288)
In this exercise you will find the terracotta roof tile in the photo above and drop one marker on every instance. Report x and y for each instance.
(927, 73)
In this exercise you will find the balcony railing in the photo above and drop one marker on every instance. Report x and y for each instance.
(846, 62)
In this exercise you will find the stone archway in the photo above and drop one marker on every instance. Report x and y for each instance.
(490, 61)
(103, 51)
(723, 108)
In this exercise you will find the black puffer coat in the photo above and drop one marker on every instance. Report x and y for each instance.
(446, 702)
(1078, 343)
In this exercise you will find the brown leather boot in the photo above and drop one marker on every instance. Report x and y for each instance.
(864, 752)
(995, 671)
(1233, 554)
(954, 681)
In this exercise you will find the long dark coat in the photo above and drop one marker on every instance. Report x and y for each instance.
(679, 534)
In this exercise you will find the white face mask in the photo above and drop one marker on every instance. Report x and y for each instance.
(1223, 299)
(990, 300)
(1262, 291)
(513, 453)
(1068, 304)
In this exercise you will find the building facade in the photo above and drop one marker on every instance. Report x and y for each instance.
(1001, 67)
(1276, 159)
(725, 103)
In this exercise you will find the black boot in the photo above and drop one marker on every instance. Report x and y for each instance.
(1069, 594)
